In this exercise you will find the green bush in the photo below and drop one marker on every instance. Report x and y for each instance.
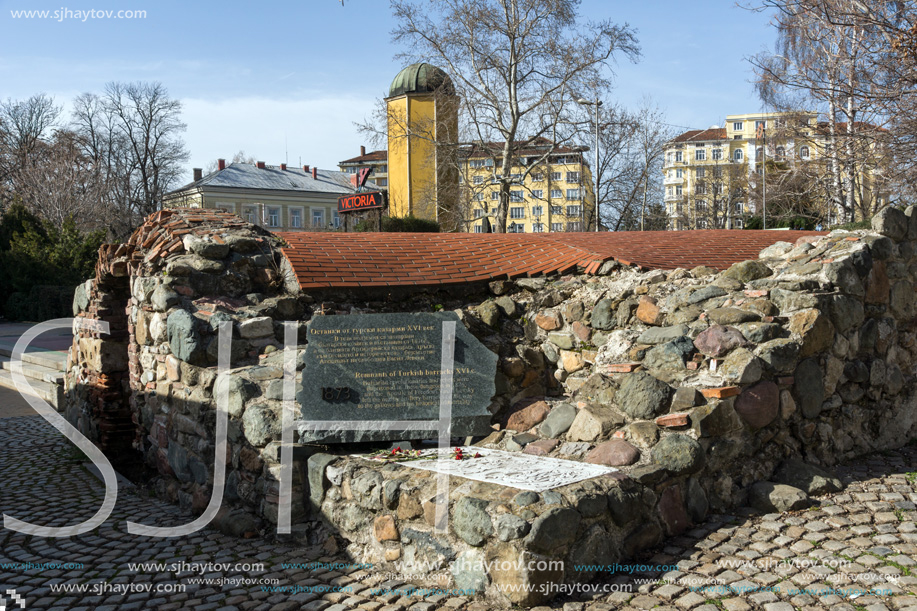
(40, 265)
(867, 224)
(390, 224)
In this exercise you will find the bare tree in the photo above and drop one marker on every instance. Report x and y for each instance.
(132, 132)
(517, 66)
(24, 126)
(239, 157)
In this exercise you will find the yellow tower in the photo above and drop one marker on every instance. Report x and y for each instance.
(422, 133)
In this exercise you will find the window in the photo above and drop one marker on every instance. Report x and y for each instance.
(738, 224)
(760, 124)
(679, 207)
(556, 193)
(517, 213)
(679, 173)
(479, 229)
(539, 177)
(669, 157)
(573, 194)
(516, 177)
(478, 180)
(575, 226)
(717, 189)
(700, 188)
(803, 152)
(478, 213)
(494, 195)
(573, 210)
(538, 193)
(476, 163)
(226, 207)
(701, 223)
(478, 197)
(737, 137)
(250, 214)
(679, 156)
(717, 154)
(516, 196)
(515, 228)
(781, 153)
(700, 206)
(557, 210)
(717, 172)
(572, 176)
(759, 153)
(318, 217)
(273, 217)
(737, 126)
(678, 190)
(701, 172)
(555, 175)
(537, 211)
(555, 227)
(335, 219)
(700, 155)
(668, 190)
(538, 228)
(738, 208)
(383, 182)
(296, 217)
(383, 169)
(737, 155)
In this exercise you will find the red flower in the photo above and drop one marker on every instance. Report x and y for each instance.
(477, 455)
(397, 450)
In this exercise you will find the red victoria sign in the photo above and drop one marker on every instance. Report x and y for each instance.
(361, 201)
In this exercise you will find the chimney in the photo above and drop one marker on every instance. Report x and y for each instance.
(221, 164)
(362, 151)
(260, 165)
(305, 169)
(283, 167)
(198, 173)
(314, 173)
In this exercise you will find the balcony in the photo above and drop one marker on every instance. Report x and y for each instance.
(674, 198)
(673, 181)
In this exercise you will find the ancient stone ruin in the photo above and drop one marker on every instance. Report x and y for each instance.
(693, 389)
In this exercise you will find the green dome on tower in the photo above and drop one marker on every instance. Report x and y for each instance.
(420, 78)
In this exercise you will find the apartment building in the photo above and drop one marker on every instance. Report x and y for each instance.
(713, 177)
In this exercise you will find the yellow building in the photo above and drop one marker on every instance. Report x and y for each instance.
(553, 192)
(713, 178)
(422, 114)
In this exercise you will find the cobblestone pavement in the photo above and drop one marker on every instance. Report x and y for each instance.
(858, 550)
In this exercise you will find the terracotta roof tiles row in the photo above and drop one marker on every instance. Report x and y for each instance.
(333, 260)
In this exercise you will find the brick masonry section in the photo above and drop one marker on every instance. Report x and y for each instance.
(342, 260)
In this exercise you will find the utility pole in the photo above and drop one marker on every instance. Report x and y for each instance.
(595, 169)
(762, 134)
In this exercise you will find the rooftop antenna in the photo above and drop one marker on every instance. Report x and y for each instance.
(286, 151)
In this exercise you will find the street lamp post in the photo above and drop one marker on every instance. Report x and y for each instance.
(595, 168)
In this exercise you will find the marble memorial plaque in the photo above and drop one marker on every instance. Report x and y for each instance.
(366, 371)
(511, 469)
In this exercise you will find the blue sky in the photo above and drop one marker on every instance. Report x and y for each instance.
(278, 78)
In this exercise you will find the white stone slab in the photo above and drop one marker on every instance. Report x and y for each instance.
(511, 469)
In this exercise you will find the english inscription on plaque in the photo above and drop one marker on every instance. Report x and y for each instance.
(387, 367)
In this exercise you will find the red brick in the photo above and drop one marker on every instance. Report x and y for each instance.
(673, 420)
(720, 393)
(622, 367)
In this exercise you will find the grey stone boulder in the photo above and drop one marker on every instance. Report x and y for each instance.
(511, 527)
(843, 274)
(471, 521)
(184, 339)
(625, 506)
(602, 315)
(489, 313)
(237, 390)
(759, 405)
(742, 367)
(678, 454)
(205, 248)
(553, 530)
(670, 355)
(746, 271)
(809, 478)
(594, 421)
(779, 354)
(642, 397)
(759, 332)
(558, 421)
(769, 497)
(703, 294)
(261, 424)
(891, 222)
(809, 387)
(163, 298)
(731, 316)
(661, 335)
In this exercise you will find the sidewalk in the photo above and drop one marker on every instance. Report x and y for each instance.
(835, 556)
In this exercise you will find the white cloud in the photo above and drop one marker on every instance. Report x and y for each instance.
(319, 129)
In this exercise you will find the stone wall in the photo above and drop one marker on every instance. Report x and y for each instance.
(703, 387)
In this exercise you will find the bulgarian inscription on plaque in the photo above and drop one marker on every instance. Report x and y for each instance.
(388, 367)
